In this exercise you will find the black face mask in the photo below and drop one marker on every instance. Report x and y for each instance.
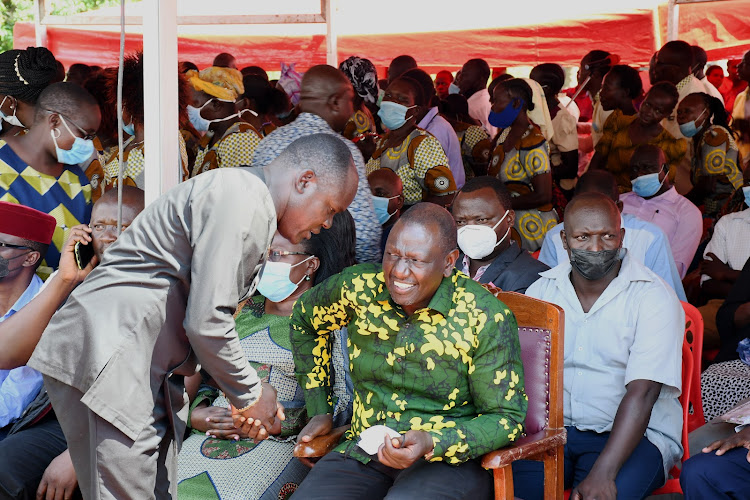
(595, 265)
(5, 264)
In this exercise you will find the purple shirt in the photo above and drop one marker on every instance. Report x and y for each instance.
(446, 136)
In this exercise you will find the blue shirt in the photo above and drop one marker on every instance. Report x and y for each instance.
(645, 242)
(634, 331)
(362, 210)
(19, 386)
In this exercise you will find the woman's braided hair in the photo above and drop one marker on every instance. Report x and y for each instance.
(24, 74)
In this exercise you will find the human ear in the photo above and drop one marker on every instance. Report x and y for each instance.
(305, 180)
(400, 201)
(512, 218)
(450, 262)
(31, 259)
(312, 266)
(564, 239)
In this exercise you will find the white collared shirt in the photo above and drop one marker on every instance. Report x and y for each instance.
(731, 240)
(634, 331)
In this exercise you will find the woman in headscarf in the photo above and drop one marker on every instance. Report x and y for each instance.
(520, 159)
(361, 72)
(23, 76)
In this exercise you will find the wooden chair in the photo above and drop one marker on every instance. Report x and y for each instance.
(541, 328)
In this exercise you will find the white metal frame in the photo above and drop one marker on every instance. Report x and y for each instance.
(160, 21)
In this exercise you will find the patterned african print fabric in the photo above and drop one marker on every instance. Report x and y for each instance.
(134, 163)
(516, 168)
(67, 198)
(718, 157)
(616, 146)
(360, 122)
(367, 225)
(235, 148)
(95, 171)
(475, 148)
(225, 469)
(452, 369)
(420, 162)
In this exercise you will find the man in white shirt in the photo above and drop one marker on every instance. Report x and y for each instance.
(724, 257)
(622, 364)
(473, 85)
(700, 58)
(654, 199)
(674, 64)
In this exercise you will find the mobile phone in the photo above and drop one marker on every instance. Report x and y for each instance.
(83, 253)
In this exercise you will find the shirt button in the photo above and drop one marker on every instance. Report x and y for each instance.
(407, 325)
(580, 373)
(398, 359)
(585, 321)
(580, 348)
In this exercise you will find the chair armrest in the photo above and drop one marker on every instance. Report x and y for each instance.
(320, 445)
(524, 448)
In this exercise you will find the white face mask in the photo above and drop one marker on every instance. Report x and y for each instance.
(12, 119)
(478, 241)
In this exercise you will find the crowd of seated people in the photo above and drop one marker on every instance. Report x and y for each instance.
(615, 199)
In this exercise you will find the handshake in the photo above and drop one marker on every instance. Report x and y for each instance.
(257, 422)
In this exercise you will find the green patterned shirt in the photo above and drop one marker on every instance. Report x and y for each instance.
(452, 369)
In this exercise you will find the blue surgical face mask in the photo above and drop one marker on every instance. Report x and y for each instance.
(393, 114)
(453, 88)
(275, 284)
(128, 128)
(12, 119)
(746, 192)
(507, 116)
(81, 151)
(647, 185)
(381, 208)
(194, 114)
(689, 129)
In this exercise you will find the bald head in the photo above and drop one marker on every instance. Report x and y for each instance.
(598, 181)
(324, 154)
(322, 81)
(104, 216)
(132, 197)
(586, 207)
(436, 219)
(647, 155)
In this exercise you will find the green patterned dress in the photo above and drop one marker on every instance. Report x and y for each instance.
(223, 469)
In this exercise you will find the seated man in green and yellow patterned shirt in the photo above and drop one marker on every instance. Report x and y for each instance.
(433, 356)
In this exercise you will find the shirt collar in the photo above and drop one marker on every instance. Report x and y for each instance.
(684, 82)
(311, 118)
(628, 271)
(428, 117)
(28, 294)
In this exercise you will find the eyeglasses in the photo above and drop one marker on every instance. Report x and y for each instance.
(276, 255)
(86, 136)
(8, 245)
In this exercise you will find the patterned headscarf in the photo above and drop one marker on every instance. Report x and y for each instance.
(222, 83)
(361, 72)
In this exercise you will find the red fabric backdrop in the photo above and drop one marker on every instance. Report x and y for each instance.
(722, 28)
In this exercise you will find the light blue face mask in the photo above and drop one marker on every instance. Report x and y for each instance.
(381, 208)
(453, 88)
(128, 128)
(647, 185)
(275, 284)
(81, 151)
(746, 192)
(689, 129)
(393, 114)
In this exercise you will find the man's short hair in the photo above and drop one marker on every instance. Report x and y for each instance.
(482, 67)
(425, 81)
(65, 98)
(324, 154)
(424, 214)
(590, 196)
(598, 181)
(487, 181)
(400, 65)
(630, 80)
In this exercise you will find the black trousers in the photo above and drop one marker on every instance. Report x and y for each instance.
(25, 455)
(336, 476)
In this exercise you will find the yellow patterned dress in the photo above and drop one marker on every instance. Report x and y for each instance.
(718, 156)
(67, 198)
(420, 162)
(516, 168)
(134, 161)
(360, 122)
(475, 148)
(235, 148)
(615, 145)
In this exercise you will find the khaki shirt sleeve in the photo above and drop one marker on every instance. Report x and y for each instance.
(230, 228)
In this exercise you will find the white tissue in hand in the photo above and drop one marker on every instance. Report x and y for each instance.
(371, 438)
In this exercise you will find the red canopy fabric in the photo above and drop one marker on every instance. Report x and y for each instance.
(722, 28)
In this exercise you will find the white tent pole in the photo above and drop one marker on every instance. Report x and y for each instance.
(40, 30)
(657, 28)
(673, 20)
(329, 7)
(162, 160)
